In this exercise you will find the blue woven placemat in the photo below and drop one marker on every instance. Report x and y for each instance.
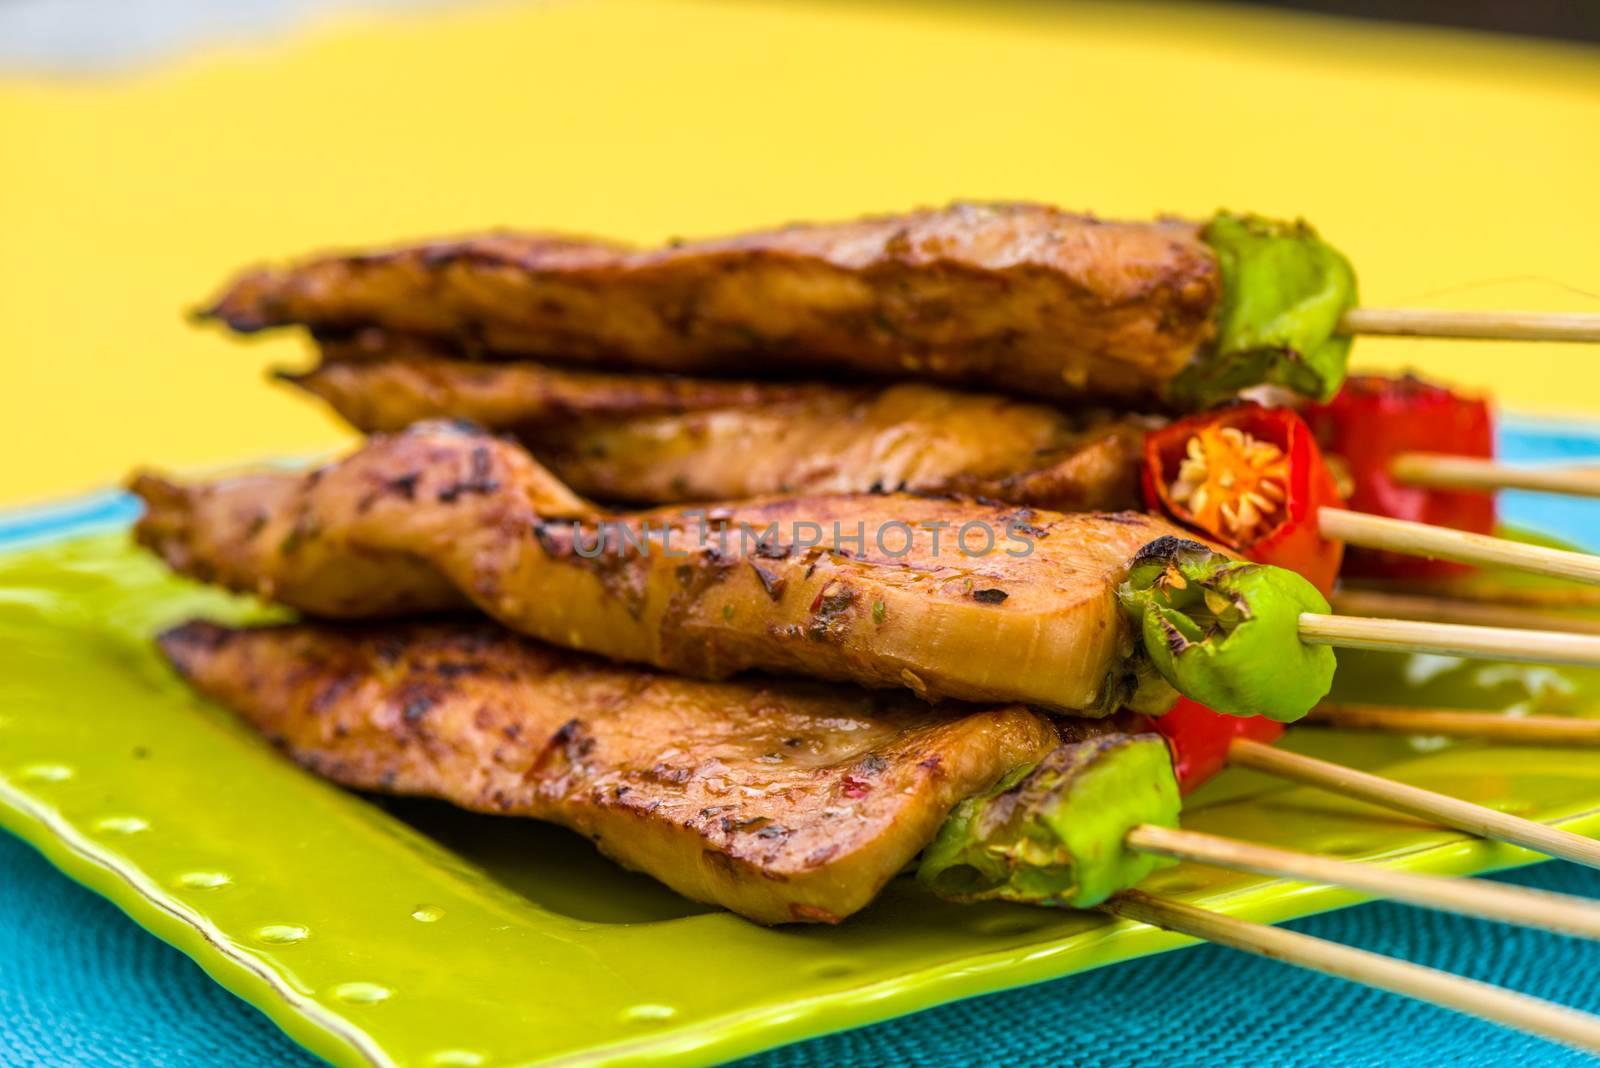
(81, 985)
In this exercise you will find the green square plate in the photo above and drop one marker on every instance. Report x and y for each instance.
(413, 934)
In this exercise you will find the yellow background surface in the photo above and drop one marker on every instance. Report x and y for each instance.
(1456, 171)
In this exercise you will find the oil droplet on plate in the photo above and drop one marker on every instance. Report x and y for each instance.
(204, 880)
(648, 1013)
(457, 1058)
(121, 825)
(283, 934)
(362, 993)
(46, 773)
(427, 914)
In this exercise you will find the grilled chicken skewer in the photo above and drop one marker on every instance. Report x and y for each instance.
(783, 801)
(1022, 298)
(649, 439)
(754, 439)
(1080, 613)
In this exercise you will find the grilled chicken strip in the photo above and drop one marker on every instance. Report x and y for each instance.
(891, 599)
(1022, 298)
(783, 801)
(649, 439)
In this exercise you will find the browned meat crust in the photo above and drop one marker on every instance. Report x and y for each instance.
(1033, 619)
(1022, 298)
(382, 381)
(783, 801)
(650, 439)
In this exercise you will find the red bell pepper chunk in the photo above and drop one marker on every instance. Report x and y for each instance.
(1252, 479)
(1199, 739)
(1373, 420)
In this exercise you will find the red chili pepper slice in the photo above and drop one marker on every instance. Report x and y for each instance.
(1376, 418)
(1251, 478)
(1199, 738)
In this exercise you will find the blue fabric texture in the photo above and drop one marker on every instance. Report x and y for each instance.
(81, 984)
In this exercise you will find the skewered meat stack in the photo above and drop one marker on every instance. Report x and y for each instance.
(1104, 654)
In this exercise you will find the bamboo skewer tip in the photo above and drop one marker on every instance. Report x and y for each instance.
(1523, 907)
(1466, 816)
(1458, 723)
(1443, 543)
(1546, 1019)
(1451, 639)
(1446, 471)
(1481, 325)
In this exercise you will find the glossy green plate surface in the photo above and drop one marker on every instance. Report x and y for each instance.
(413, 934)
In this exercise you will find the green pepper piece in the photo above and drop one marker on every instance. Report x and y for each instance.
(1226, 632)
(1284, 291)
(1052, 834)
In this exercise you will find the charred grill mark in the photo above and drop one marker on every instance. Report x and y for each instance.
(403, 485)
(459, 669)
(770, 581)
(329, 693)
(1175, 641)
(567, 740)
(872, 764)
(1164, 549)
(830, 612)
(573, 740)
(477, 480)
(554, 538)
(668, 775)
(772, 549)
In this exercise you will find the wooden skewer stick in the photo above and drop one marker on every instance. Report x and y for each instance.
(1559, 598)
(1457, 723)
(1533, 1015)
(1451, 639)
(1442, 543)
(1468, 897)
(1361, 602)
(1487, 325)
(1437, 808)
(1442, 471)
